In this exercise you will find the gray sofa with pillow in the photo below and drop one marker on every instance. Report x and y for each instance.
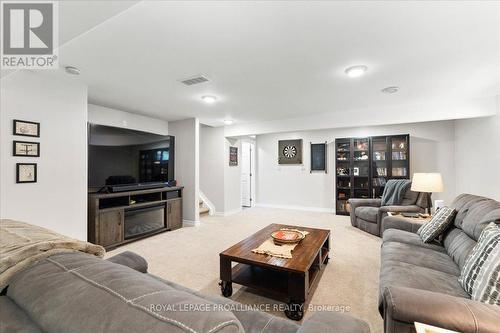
(367, 214)
(78, 292)
(419, 281)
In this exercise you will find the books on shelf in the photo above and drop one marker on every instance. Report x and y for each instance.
(379, 182)
(381, 172)
(399, 172)
(379, 156)
(399, 155)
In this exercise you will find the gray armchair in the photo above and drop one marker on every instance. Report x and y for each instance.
(367, 214)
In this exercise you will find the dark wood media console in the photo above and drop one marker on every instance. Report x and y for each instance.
(118, 218)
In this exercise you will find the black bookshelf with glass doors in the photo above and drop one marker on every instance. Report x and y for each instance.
(363, 166)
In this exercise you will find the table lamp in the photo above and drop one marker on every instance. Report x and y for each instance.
(427, 183)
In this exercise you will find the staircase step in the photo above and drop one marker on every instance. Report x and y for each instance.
(204, 210)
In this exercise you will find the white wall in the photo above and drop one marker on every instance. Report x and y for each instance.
(477, 156)
(186, 133)
(111, 117)
(58, 200)
(371, 116)
(232, 179)
(431, 150)
(220, 182)
(212, 143)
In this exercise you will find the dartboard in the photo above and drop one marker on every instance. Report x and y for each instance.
(289, 151)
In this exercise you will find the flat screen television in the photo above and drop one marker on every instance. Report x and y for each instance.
(122, 156)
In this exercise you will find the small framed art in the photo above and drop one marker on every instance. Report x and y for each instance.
(233, 156)
(26, 173)
(26, 148)
(26, 128)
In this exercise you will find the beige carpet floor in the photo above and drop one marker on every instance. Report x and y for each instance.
(190, 256)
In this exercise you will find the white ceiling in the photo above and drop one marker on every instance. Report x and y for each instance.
(79, 16)
(283, 59)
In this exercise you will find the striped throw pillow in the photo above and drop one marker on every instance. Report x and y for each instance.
(480, 276)
(437, 225)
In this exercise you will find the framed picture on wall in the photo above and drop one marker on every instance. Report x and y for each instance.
(290, 151)
(233, 156)
(26, 173)
(26, 148)
(26, 128)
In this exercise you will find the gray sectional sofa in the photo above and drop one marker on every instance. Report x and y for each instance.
(419, 281)
(78, 292)
(367, 214)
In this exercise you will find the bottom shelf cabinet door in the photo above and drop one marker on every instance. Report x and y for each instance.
(110, 228)
(174, 213)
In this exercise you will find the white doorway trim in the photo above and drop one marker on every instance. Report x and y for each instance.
(247, 174)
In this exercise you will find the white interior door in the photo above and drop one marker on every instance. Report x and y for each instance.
(246, 174)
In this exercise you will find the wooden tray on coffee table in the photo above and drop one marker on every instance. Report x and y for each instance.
(287, 280)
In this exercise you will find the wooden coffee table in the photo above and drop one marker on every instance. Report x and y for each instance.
(287, 280)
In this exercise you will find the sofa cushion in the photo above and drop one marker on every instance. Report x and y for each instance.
(481, 273)
(59, 291)
(132, 260)
(410, 198)
(367, 213)
(479, 216)
(401, 274)
(251, 320)
(331, 322)
(463, 204)
(14, 319)
(473, 214)
(406, 237)
(419, 256)
(437, 224)
(458, 245)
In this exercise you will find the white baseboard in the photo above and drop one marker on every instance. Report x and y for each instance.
(229, 212)
(189, 223)
(293, 207)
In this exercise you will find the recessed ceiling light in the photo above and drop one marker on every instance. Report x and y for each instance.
(390, 90)
(228, 122)
(72, 70)
(356, 71)
(209, 99)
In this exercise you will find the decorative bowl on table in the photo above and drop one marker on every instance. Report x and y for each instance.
(285, 236)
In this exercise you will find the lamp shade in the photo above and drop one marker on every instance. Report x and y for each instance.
(427, 182)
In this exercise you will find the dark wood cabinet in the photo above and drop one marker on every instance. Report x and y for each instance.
(363, 166)
(174, 214)
(118, 218)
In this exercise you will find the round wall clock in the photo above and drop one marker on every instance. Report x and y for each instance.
(289, 151)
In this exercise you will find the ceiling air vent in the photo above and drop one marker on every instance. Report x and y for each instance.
(194, 80)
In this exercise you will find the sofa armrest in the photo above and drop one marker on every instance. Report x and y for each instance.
(333, 322)
(130, 259)
(365, 202)
(401, 223)
(401, 209)
(355, 203)
(408, 305)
